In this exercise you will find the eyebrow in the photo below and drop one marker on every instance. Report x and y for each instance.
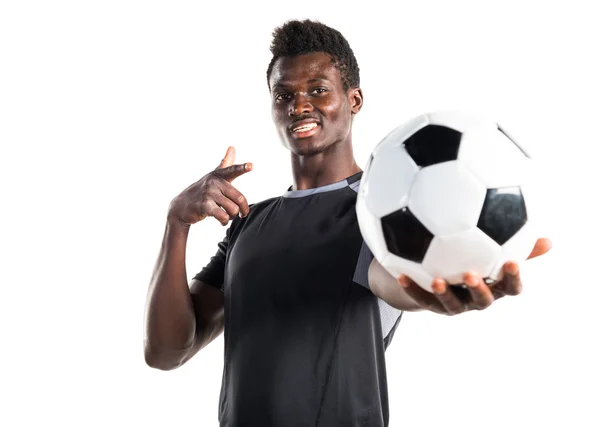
(315, 80)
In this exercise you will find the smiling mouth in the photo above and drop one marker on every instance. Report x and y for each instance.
(304, 128)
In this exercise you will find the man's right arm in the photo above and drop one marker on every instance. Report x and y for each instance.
(181, 319)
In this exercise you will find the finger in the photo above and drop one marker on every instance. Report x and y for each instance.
(511, 280)
(448, 299)
(228, 205)
(232, 172)
(212, 209)
(236, 197)
(542, 246)
(481, 295)
(228, 159)
(425, 299)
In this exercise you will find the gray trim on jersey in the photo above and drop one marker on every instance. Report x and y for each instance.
(311, 191)
(330, 187)
(361, 273)
(388, 314)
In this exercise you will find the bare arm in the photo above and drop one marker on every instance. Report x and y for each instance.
(181, 319)
(386, 287)
(405, 294)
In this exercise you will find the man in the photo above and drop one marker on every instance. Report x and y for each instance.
(307, 311)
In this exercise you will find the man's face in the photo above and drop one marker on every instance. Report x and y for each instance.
(310, 107)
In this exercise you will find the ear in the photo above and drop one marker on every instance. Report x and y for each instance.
(355, 97)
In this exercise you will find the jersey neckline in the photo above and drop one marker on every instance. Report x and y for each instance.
(324, 189)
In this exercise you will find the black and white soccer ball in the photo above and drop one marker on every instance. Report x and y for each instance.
(446, 193)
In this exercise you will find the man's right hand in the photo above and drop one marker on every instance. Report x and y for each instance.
(213, 195)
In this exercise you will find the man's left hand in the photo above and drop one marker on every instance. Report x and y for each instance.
(476, 295)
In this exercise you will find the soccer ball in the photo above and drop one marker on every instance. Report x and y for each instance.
(446, 193)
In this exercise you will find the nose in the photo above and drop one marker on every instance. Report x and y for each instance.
(300, 105)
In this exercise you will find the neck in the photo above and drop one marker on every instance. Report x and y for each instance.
(334, 164)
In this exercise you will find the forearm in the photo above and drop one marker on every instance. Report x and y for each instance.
(387, 288)
(170, 321)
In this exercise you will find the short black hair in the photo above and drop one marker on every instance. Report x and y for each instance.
(295, 38)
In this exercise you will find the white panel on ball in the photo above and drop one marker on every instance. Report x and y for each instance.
(446, 198)
(517, 248)
(391, 174)
(452, 255)
(401, 133)
(457, 120)
(397, 266)
(492, 157)
(370, 228)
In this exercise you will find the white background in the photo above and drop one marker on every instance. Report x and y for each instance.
(109, 109)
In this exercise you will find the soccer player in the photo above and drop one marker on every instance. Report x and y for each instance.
(307, 311)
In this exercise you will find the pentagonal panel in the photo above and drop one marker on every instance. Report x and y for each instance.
(397, 266)
(503, 213)
(370, 228)
(492, 157)
(517, 249)
(460, 121)
(405, 236)
(452, 255)
(433, 144)
(397, 136)
(387, 183)
(446, 198)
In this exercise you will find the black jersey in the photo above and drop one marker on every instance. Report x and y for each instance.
(304, 336)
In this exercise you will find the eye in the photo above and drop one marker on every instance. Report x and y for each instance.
(319, 90)
(282, 96)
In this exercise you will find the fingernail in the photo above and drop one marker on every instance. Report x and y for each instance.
(403, 282)
(438, 286)
(471, 280)
(511, 268)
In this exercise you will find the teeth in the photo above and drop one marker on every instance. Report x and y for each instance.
(305, 127)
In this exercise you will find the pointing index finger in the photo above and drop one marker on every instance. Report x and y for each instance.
(232, 172)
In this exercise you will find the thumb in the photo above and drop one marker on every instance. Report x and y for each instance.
(542, 246)
(228, 159)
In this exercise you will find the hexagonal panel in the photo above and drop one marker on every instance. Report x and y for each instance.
(433, 144)
(397, 266)
(452, 255)
(460, 121)
(492, 157)
(387, 183)
(399, 134)
(503, 213)
(446, 198)
(517, 248)
(405, 236)
(370, 228)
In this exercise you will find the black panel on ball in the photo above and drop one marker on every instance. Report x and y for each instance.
(513, 141)
(503, 213)
(405, 236)
(433, 144)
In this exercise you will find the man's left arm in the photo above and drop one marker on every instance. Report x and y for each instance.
(404, 294)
